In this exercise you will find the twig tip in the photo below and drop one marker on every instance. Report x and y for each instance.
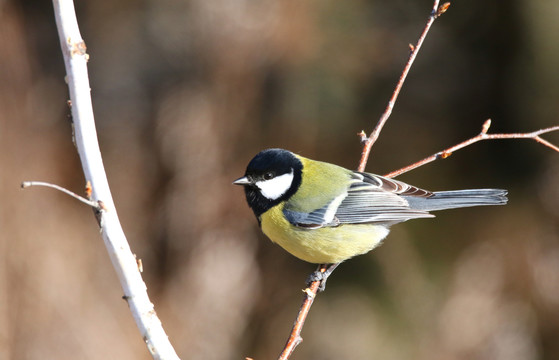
(442, 9)
(362, 137)
(485, 126)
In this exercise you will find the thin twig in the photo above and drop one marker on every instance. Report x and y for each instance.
(369, 141)
(91, 203)
(123, 260)
(535, 135)
(311, 292)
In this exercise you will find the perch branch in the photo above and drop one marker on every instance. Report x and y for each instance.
(483, 135)
(124, 262)
(295, 336)
(312, 290)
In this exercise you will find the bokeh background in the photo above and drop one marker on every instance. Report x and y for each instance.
(187, 91)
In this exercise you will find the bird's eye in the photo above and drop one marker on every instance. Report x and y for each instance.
(269, 175)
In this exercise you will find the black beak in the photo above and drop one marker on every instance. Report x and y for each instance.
(242, 181)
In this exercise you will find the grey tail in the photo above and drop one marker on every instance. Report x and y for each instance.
(457, 199)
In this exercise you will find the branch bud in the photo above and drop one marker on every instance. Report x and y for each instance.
(485, 126)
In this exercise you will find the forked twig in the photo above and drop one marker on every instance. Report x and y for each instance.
(312, 290)
(369, 141)
(125, 264)
(483, 135)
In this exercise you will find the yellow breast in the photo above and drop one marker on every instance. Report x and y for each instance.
(324, 245)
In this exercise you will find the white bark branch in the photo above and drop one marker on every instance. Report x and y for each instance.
(124, 262)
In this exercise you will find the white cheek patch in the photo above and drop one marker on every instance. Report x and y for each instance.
(274, 188)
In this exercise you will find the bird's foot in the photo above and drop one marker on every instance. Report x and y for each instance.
(321, 276)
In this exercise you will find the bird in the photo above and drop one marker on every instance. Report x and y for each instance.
(325, 214)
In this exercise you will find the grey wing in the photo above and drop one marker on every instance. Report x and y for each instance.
(369, 199)
(376, 199)
(324, 216)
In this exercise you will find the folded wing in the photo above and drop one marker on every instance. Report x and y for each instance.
(369, 199)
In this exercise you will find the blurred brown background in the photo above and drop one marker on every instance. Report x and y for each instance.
(187, 91)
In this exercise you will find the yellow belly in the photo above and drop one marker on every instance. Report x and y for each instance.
(323, 245)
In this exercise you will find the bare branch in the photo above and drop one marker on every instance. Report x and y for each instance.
(311, 292)
(124, 262)
(295, 336)
(535, 135)
(368, 142)
(91, 203)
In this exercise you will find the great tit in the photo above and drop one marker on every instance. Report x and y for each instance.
(325, 214)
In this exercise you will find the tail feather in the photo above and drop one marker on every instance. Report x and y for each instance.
(457, 199)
